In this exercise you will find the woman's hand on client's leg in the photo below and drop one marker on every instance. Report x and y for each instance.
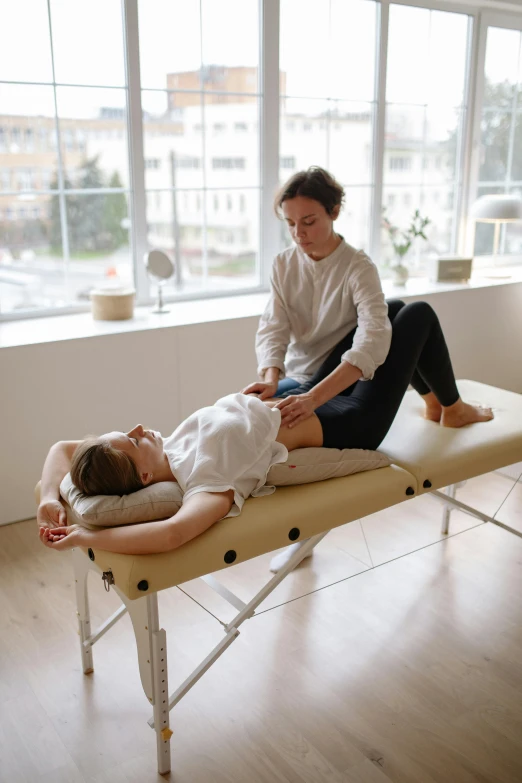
(296, 408)
(61, 538)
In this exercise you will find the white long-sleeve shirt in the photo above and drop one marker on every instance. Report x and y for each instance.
(314, 304)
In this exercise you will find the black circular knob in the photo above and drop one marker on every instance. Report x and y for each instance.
(230, 556)
(91, 553)
(143, 585)
(294, 534)
(426, 484)
(410, 491)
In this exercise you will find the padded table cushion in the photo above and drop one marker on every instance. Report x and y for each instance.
(263, 525)
(441, 455)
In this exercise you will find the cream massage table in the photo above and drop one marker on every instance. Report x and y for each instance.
(425, 458)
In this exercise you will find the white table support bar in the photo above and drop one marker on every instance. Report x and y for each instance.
(247, 610)
(104, 627)
(199, 671)
(223, 591)
(303, 549)
(452, 501)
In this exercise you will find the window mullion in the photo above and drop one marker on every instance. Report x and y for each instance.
(378, 130)
(137, 197)
(269, 134)
(60, 169)
(464, 142)
(472, 159)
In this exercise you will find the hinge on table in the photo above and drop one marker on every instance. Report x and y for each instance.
(108, 579)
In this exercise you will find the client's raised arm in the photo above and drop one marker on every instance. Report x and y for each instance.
(196, 515)
(57, 464)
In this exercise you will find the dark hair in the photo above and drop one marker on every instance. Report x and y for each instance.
(99, 469)
(314, 183)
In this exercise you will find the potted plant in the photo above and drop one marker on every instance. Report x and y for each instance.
(401, 242)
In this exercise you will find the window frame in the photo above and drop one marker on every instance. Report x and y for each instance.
(487, 18)
(481, 17)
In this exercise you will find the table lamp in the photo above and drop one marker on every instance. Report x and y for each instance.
(497, 209)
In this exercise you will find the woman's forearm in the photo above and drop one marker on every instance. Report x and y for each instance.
(272, 375)
(199, 513)
(144, 539)
(56, 466)
(340, 379)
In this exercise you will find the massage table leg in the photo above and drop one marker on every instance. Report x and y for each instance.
(303, 549)
(151, 639)
(451, 492)
(81, 572)
(151, 644)
(457, 504)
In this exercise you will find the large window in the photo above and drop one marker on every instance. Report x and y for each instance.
(175, 131)
(327, 82)
(500, 160)
(426, 113)
(64, 182)
(201, 105)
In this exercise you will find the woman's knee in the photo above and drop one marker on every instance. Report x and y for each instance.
(419, 311)
(394, 306)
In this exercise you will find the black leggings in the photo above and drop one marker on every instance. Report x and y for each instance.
(361, 415)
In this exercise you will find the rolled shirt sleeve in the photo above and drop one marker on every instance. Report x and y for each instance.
(372, 338)
(273, 334)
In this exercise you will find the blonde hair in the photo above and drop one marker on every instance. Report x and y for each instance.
(99, 469)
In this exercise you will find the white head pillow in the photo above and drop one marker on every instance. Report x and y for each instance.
(163, 500)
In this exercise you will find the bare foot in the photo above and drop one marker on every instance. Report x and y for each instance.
(433, 410)
(462, 413)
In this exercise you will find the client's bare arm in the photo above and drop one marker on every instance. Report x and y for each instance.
(195, 516)
(57, 464)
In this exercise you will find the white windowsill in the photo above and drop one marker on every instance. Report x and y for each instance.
(79, 325)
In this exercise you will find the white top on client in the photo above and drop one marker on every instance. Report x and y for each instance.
(228, 445)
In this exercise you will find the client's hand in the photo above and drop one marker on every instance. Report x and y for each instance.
(61, 538)
(51, 513)
(263, 389)
(296, 408)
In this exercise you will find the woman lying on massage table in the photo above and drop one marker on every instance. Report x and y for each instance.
(221, 454)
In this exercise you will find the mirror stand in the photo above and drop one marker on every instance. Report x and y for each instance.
(160, 269)
(159, 306)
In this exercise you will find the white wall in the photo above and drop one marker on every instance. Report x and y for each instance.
(69, 389)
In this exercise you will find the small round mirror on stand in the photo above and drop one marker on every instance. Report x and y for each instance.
(160, 269)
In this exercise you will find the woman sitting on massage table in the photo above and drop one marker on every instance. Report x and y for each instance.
(221, 454)
(327, 328)
(323, 342)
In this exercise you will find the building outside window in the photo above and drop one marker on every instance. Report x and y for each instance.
(228, 163)
(400, 164)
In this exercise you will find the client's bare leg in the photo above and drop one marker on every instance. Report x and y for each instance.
(307, 433)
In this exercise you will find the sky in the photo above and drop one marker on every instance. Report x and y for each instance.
(324, 54)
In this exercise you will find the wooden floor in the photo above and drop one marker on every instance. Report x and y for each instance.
(392, 655)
